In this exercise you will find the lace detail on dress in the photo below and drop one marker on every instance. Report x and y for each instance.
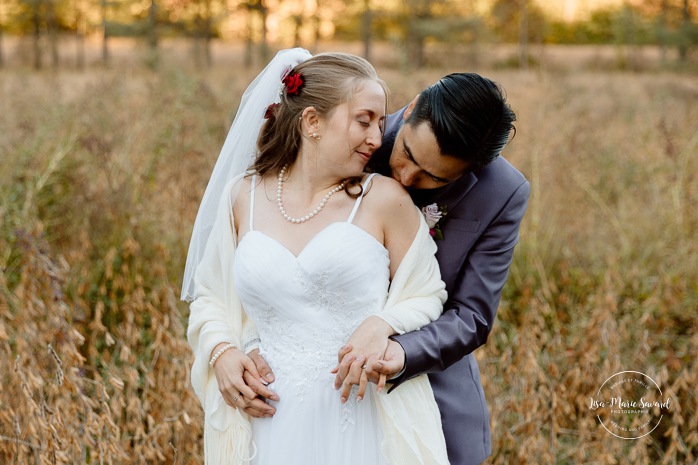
(316, 288)
(298, 353)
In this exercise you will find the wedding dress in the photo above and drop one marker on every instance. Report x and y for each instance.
(305, 308)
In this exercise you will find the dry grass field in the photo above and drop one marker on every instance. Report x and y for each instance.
(102, 172)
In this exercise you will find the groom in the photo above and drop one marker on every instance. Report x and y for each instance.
(444, 147)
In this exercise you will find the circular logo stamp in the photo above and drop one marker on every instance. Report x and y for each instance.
(629, 405)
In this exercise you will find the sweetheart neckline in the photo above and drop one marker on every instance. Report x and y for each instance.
(312, 239)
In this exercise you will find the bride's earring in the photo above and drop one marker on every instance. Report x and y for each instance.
(314, 135)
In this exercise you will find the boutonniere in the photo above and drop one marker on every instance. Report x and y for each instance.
(433, 214)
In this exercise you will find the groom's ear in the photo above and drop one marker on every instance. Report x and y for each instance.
(410, 107)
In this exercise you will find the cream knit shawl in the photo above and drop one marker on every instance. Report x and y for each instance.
(410, 417)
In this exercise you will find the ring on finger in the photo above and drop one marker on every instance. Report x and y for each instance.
(235, 399)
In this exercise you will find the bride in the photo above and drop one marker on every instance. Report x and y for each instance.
(294, 246)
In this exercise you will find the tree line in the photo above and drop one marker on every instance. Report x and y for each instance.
(409, 23)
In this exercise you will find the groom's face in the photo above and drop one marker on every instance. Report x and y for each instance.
(416, 160)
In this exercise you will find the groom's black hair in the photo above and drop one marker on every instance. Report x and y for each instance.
(469, 116)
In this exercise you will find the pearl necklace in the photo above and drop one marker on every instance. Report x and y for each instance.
(280, 203)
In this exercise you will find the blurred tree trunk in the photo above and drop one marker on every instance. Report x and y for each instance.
(684, 38)
(204, 34)
(415, 45)
(80, 31)
(152, 33)
(208, 34)
(52, 26)
(317, 23)
(662, 29)
(36, 36)
(2, 57)
(523, 34)
(152, 25)
(366, 29)
(257, 6)
(417, 10)
(297, 25)
(105, 32)
(80, 50)
(2, 27)
(264, 50)
(298, 21)
(249, 41)
(624, 37)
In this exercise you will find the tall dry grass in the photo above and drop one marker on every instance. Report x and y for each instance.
(606, 276)
(102, 174)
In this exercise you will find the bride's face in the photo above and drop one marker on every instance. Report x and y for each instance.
(352, 132)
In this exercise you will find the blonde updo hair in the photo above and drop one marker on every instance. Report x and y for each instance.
(329, 79)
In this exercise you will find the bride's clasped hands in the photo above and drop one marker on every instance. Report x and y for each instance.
(241, 383)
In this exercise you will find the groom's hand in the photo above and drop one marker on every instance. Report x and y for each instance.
(368, 342)
(392, 364)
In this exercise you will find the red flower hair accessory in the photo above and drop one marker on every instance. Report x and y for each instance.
(293, 83)
(270, 110)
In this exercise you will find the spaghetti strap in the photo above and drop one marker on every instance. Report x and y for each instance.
(358, 200)
(254, 178)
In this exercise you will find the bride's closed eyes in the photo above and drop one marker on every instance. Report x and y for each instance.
(366, 119)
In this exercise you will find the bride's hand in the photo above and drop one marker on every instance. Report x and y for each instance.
(368, 342)
(229, 369)
(257, 407)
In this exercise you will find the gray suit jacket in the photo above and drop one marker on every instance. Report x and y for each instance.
(480, 231)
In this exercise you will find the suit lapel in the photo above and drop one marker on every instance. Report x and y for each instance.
(459, 189)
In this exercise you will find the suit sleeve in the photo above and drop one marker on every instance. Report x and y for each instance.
(470, 310)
